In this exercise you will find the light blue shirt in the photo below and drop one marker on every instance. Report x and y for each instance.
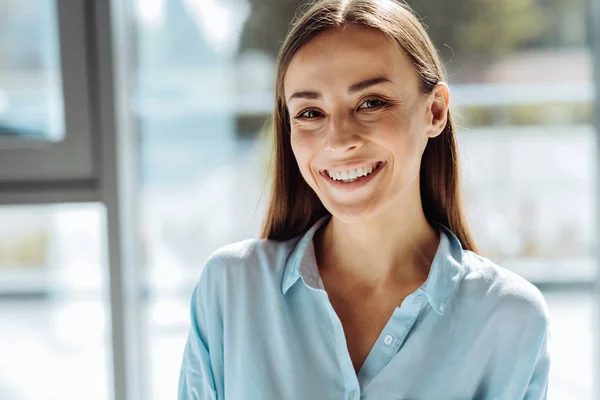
(262, 328)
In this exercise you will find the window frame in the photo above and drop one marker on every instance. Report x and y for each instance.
(594, 22)
(35, 171)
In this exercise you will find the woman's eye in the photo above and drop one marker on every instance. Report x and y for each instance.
(309, 114)
(371, 104)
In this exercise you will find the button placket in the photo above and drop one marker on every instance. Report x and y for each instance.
(399, 338)
(341, 347)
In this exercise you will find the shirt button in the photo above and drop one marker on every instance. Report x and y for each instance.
(352, 395)
(417, 299)
(389, 339)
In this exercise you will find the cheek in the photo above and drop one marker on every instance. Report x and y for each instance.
(402, 139)
(397, 135)
(298, 146)
(410, 131)
(303, 152)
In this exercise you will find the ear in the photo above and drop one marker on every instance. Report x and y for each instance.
(437, 109)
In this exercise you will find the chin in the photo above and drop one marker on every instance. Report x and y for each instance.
(350, 213)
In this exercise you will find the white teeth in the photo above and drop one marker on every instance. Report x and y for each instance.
(352, 174)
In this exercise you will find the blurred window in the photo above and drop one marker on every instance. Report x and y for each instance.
(55, 337)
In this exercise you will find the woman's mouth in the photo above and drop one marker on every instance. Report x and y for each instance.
(354, 178)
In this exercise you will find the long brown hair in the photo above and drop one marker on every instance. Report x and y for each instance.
(293, 206)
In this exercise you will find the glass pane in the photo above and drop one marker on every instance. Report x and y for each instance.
(521, 81)
(31, 103)
(55, 337)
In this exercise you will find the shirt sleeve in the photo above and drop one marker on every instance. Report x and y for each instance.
(196, 378)
(537, 389)
(522, 366)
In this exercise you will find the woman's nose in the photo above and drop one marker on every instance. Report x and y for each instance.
(342, 136)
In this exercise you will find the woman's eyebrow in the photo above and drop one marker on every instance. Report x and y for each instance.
(357, 87)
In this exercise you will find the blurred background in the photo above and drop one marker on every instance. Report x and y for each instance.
(198, 91)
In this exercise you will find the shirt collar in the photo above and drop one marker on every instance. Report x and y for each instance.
(440, 284)
(302, 263)
(445, 271)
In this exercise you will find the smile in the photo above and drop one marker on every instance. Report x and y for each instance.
(355, 176)
(352, 174)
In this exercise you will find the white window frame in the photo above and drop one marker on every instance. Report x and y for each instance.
(118, 182)
(594, 21)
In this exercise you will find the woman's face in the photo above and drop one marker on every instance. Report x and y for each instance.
(359, 123)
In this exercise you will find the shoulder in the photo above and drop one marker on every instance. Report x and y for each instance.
(509, 317)
(248, 261)
(501, 292)
(250, 253)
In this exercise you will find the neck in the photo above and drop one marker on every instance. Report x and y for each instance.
(389, 248)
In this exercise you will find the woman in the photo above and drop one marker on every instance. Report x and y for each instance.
(366, 284)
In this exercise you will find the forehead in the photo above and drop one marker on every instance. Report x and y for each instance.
(345, 56)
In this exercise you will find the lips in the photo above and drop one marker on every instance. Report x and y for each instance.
(347, 174)
(355, 182)
(353, 174)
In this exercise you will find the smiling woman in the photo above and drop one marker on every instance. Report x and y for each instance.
(366, 282)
